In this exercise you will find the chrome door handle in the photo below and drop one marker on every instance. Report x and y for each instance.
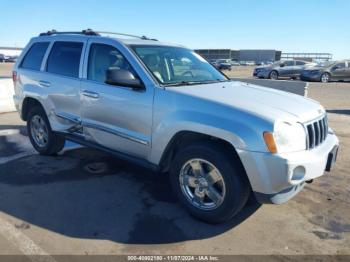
(90, 94)
(44, 83)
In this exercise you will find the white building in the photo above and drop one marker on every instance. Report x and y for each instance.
(10, 51)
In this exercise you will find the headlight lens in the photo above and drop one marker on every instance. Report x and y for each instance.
(288, 137)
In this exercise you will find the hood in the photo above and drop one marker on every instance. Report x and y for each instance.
(264, 102)
(263, 66)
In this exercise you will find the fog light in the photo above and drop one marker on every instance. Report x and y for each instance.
(298, 173)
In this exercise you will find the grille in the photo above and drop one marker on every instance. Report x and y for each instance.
(317, 132)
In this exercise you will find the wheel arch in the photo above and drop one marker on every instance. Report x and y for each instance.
(27, 104)
(183, 138)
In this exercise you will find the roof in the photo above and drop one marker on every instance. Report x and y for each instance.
(129, 40)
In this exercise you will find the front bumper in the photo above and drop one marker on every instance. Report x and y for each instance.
(276, 178)
(310, 77)
(263, 74)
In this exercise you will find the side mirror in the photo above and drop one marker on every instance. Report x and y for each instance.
(282, 65)
(335, 68)
(123, 77)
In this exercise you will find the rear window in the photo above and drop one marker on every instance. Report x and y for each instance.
(64, 59)
(34, 56)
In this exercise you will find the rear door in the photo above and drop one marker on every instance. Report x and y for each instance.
(339, 71)
(116, 117)
(62, 81)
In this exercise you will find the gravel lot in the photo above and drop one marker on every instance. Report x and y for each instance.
(62, 205)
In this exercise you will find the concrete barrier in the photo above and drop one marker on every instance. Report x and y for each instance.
(295, 87)
(6, 95)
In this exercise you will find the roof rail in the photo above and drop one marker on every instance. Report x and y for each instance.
(122, 34)
(92, 32)
(83, 32)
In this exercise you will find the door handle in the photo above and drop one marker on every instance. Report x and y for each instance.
(44, 83)
(90, 94)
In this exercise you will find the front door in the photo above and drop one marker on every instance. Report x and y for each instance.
(287, 69)
(116, 117)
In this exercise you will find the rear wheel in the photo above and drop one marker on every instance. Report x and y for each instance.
(208, 183)
(273, 75)
(43, 139)
(325, 78)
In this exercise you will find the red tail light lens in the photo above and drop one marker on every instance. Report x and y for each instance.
(14, 77)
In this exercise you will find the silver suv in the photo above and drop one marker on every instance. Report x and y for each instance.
(164, 107)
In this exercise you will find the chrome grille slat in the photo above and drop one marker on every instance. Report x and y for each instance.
(322, 129)
(317, 131)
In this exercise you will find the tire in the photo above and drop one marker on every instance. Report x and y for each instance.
(43, 139)
(273, 75)
(233, 186)
(325, 78)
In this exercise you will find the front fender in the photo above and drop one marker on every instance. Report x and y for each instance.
(234, 130)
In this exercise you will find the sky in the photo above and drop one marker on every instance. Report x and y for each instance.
(286, 25)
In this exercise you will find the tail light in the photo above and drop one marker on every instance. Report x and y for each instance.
(14, 77)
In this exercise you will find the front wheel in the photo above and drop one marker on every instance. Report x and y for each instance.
(208, 183)
(43, 139)
(325, 78)
(273, 75)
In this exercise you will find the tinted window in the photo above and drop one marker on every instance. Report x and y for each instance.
(300, 63)
(340, 65)
(34, 56)
(64, 58)
(103, 57)
(289, 63)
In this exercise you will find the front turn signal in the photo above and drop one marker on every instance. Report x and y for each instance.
(270, 142)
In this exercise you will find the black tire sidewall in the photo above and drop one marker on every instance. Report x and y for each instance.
(54, 143)
(237, 189)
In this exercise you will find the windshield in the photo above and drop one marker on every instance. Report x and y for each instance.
(176, 65)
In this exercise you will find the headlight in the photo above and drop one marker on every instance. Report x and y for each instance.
(287, 137)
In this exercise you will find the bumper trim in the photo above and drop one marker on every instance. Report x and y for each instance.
(280, 197)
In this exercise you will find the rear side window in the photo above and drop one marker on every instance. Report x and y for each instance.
(64, 58)
(34, 56)
(300, 63)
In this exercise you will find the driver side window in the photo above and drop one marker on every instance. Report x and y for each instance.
(103, 57)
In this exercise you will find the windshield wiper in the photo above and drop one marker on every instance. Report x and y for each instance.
(188, 83)
(184, 83)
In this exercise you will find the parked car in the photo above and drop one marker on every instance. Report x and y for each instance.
(260, 63)
(224, 64)
(214, 63)
(250, 63)
(235, 63)
(336, 71)
(2, 58)
(11, 59)
(166, 108)
(290, 68)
